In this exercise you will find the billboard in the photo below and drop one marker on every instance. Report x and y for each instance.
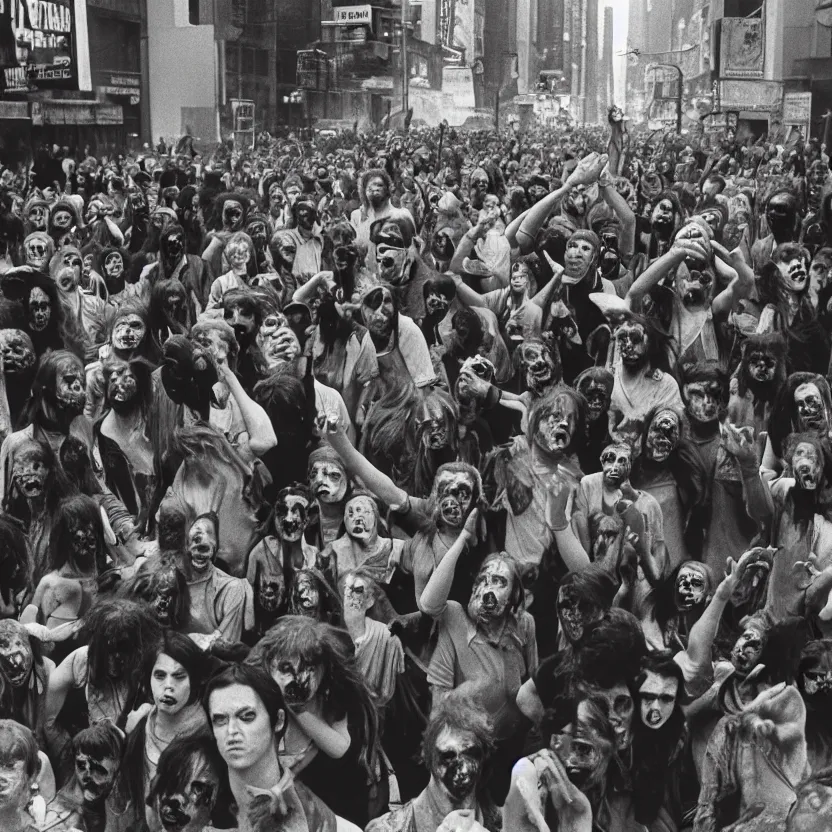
(50, 45)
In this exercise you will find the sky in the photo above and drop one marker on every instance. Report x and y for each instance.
(621, 10)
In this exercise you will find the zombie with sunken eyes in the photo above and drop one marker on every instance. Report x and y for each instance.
(458, 745)
(785, 305)
(177, 263)
(783, 221)
(229, 214)
(18, 372)
(756, 382)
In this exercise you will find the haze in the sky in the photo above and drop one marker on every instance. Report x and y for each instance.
(621, 10)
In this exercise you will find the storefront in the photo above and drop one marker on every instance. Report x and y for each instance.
(78, 124)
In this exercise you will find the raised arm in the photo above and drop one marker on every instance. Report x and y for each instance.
(358, 466)
(434, 597)
(741, 276)
(261, 435)
(627, 241)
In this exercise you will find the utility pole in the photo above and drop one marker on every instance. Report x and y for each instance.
(405, 78)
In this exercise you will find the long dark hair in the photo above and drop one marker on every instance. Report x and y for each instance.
(344, 692)
(73, 512)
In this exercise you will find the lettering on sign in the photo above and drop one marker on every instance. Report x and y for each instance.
(354, 15)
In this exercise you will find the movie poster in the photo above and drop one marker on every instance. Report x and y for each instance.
(51, 50)
(743, 53)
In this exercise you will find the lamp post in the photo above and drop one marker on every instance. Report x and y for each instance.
(405, 79)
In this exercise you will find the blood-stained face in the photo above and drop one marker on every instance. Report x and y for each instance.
(298, 679)
(37, 253)
(62, 219)
(38, 215)
(328, 481)
(202, 544)
(164, 598)
(70, 393)
(794, 274)
(436, 304)
(538, 364)
(232, 215)
(631, 338)
(761, 366)
(556, 429)
(186, 806)
(95, 775)
(114, 265)
(663, 216)
(576, 614)
(122, 387)
(291, 516)
(457, 763)
(695, 286)
(16, 657)
(18, 352)
(691, 586)
(271, 591)
(703, 400)
(40, 309)
(663, 435)
(360, 519)
(433, 427)
(811, 411)
(358, 594)
(454, 497)
(492, 591)
(616, 462)
(379, 312)
(577, 200)
(748, 648)
(128, 332)
(807, 466)
(306, 595)
(597, 396)
(657, 699)
(621, 709)
(30, 471)
(583, 751)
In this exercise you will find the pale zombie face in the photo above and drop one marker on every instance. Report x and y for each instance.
(66, 280)
(202, 544)
(761, 366)
(165, 597)
(577, 200)
(663, 217)
(621, 710)
(376, 191)
(379, 313)
(358, 594)
(457, 762)
(579, 256)
(811, 411)
(271, 591)
(113, 265)
(454, 496)
(299, 680)
(212, 341)
(793, 275)
(691, 587)
(556, 429)
(37, 254)
(187, 806)
(62, 218)
(519, 279)
(37, 217)
(360, 519)
(17, 350)
(657, 696)
(287, 249)
(122, 387)
(581, 750)
(663, 435)
(16, 658)
(433, 428)
(306, 595)
(816, 678)
(807, 466)
(695, 287)
(30, 473)
(82, 538)
(576, 614)
(703, 400)
(14, 784)
(128, 332)
(170, 685)
(328, 481)
(748, 649)
(291, 513)
(436, 304)
(95, 776)
(492, 590)
(40, 310)
(391, 261)
(820, 271)
(631, 338)
(539, 366)
(232, 215)
(71, 391)
(238, 256)
(616, 462)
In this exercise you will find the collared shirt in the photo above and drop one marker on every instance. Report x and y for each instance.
(465, 654)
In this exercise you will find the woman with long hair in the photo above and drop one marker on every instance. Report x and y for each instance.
(331, 740)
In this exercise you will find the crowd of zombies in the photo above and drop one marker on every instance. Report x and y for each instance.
(418, 482)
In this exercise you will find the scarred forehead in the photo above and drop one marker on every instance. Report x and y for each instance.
(616, 452)
(690, 570)
(455, 480)
(495, 568)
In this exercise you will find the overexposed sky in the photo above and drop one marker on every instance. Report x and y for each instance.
(621, 9)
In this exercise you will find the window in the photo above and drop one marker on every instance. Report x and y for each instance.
(261, 62)
(743, 8)
(248, 62)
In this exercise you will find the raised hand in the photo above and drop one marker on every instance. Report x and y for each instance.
(570, 803)
(739, 442)
(588, 170)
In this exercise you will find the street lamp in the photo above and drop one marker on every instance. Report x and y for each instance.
(678, 93)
